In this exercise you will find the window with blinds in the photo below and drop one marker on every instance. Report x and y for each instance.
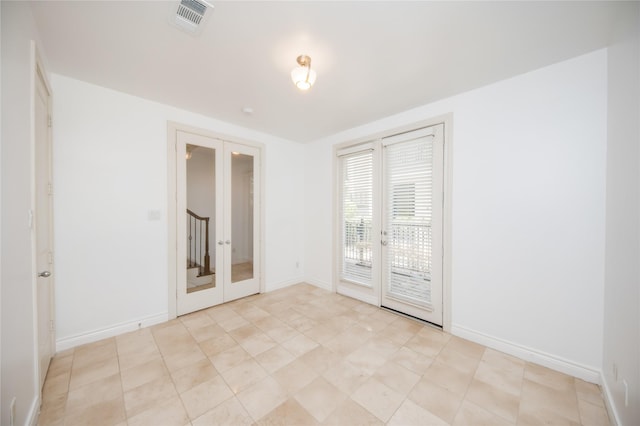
(357, 216)
(408, 211)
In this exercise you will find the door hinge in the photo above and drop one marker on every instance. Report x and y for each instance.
(49, 121)
(52, 326)
(50, 188)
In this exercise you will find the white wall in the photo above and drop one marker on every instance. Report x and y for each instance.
(286, 218)
(319, 204)
(622, 274)
(527, 215)
(18, 357)
(110, 170)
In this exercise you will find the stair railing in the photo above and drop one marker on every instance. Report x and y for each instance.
(197, 255)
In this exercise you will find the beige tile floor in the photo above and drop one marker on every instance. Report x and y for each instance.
(304, 356)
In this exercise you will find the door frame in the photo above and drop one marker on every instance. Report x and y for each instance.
(38, 71)
(447, 121)
(172, 217)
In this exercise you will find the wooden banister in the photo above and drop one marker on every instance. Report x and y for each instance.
(195, 258)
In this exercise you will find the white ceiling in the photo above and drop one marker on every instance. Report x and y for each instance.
(373, 59)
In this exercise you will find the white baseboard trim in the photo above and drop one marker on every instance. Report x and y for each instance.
(535, 356)
(608, 402)
(318, 283)
(104, 333)
(283, 284)
(34, 412)
(346, 291)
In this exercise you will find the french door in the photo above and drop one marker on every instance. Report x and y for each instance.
(217, 221)
(391, 222)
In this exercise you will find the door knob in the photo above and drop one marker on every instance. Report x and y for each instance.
(45, 274)
(383, 242)
(228, 242)
(220, 243)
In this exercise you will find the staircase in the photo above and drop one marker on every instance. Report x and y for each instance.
(198, 258)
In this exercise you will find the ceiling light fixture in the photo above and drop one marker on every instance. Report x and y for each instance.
(303, 76)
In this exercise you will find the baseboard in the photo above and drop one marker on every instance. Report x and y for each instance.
(104, 333)
(283, 284)
(34, 412)
(528, 354)
(319, 283)
(608, 402)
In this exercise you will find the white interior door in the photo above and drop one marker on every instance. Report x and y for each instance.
(412, 187)
(242, 225)
(43, 227)
(218, 226)
(200, 224)
(390, 237)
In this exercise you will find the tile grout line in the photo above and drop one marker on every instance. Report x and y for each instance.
(184, 407)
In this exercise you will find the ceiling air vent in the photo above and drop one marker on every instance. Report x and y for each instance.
(190, 15)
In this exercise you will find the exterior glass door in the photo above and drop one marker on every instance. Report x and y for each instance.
(412, 223)
(391, 222)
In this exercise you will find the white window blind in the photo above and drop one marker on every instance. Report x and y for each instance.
(357, 216)
(408, 211)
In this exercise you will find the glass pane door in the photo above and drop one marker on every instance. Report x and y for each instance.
(242, 224)
(358, 237)
(200, 164)
(201, 217)
(412, 218)
(357, 218)
(241, 217)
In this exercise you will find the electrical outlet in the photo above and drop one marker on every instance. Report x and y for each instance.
(12, 412)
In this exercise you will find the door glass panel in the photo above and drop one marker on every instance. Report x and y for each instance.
(357, 217)
(408, 186)
(242, 201)
(201, 210)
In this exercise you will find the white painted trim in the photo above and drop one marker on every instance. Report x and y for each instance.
(614, 418)
(366, 298)
(535, 356)
(34, 412)
(32, 219)
(172, 239)
(447, 222)
(320, 284)
(283, 284)
(335, 221)
(114, 330)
